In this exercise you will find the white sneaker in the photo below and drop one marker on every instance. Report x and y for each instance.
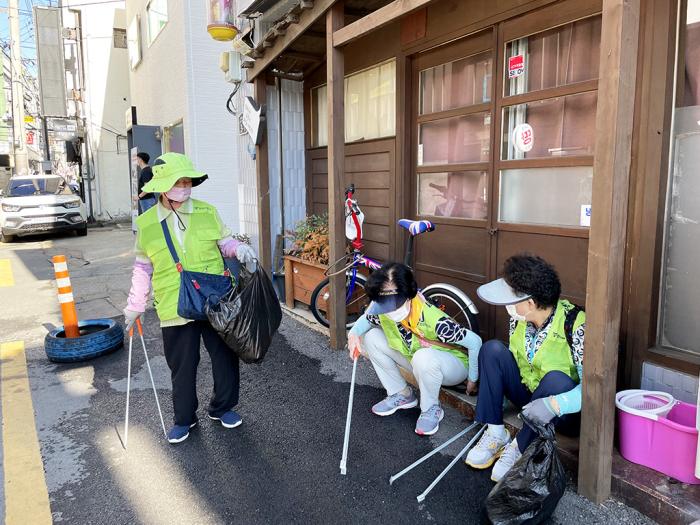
(487, 450)
(510, 455)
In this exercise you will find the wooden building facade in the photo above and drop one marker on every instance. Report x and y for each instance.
(546, 126)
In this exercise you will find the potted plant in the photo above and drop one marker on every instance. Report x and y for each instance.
(307, 259)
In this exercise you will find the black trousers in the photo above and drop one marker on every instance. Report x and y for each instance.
(500, 376)
(181, 347)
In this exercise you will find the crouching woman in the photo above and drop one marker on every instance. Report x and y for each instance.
(539, 370)
(400, 329)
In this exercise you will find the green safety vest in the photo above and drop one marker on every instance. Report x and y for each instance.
(426, 326)
(553, 354)
(200, 254)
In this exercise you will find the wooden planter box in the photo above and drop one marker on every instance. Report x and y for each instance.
(300, 279)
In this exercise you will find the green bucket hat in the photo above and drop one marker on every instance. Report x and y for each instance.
(170, 167)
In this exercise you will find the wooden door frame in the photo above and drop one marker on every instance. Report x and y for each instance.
(473, 44)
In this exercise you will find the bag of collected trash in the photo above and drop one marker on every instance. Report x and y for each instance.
(248, 316)
(530, 491)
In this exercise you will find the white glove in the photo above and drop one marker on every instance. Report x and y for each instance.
(130, 318)
(246, 255)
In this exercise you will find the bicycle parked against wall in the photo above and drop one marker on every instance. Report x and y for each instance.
(356, 265)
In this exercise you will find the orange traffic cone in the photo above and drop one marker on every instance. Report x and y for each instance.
(65, 296)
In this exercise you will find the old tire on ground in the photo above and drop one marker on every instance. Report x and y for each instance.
(97, 337)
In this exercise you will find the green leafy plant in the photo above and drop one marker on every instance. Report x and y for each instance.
(310, 239)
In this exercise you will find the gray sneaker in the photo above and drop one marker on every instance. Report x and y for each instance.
(429, 421)
(395, 402)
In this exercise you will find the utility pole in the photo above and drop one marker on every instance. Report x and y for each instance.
(18, 133)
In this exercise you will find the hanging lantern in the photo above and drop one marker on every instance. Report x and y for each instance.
(222, 20)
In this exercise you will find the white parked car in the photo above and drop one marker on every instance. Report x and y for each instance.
(40, 204)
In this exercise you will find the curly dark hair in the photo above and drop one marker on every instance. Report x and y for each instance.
(532, 275)
(397, 273)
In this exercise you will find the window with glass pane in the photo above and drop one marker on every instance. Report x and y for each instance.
(370, 106)
(548, 196)
(370, 103)
(464, 82)
(157, 14)
(454, 140)
(459, 194)
(561, 126)
(558, 57)
(319, 116)
(680, 308)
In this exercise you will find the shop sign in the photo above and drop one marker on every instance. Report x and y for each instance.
(30, 138)
(252, 119)
(516, 66)
(585, 215)
(523, 138)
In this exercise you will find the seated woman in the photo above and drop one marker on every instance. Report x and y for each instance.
(541, 368)
(401, 330)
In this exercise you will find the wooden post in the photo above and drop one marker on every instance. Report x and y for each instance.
(606, 248)
(336, 171)
(263, 182)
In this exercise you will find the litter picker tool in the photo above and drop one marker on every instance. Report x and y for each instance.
(421, 497)
(128, 382)
(346, 440)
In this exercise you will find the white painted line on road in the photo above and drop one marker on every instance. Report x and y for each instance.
(26, 495)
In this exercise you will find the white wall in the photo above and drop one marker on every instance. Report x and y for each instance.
(211, 134)
(159, 81)
(106, 101)
(179, 78)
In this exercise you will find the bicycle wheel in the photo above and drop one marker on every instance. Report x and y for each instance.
(453, 305)
(355, 305)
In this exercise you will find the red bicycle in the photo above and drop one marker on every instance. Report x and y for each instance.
(448, 298)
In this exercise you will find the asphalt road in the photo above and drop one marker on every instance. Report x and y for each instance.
(280, 466)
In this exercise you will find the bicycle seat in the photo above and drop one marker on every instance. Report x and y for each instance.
(416, 227)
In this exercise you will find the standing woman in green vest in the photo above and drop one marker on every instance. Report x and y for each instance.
(400, 329)
(540, 369)
(200, 239)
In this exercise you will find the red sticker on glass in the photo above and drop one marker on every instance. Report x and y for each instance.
(516, 66)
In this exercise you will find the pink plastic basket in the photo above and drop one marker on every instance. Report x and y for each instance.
(664, 443)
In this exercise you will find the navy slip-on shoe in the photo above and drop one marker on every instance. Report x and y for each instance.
(229, 419)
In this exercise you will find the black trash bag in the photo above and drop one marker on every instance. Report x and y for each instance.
(530, 491)
(248, 316)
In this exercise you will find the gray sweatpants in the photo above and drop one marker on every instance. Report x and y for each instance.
(432, 368)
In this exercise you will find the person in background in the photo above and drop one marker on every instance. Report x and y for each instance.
(540, 369)
(400, 329)
(144, 200)
(200, 239)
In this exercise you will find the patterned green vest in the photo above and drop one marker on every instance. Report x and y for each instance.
(199, 254)
(553, 354)
(426, 326)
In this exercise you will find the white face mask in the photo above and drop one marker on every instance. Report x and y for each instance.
(514, 313)
(400, 313)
